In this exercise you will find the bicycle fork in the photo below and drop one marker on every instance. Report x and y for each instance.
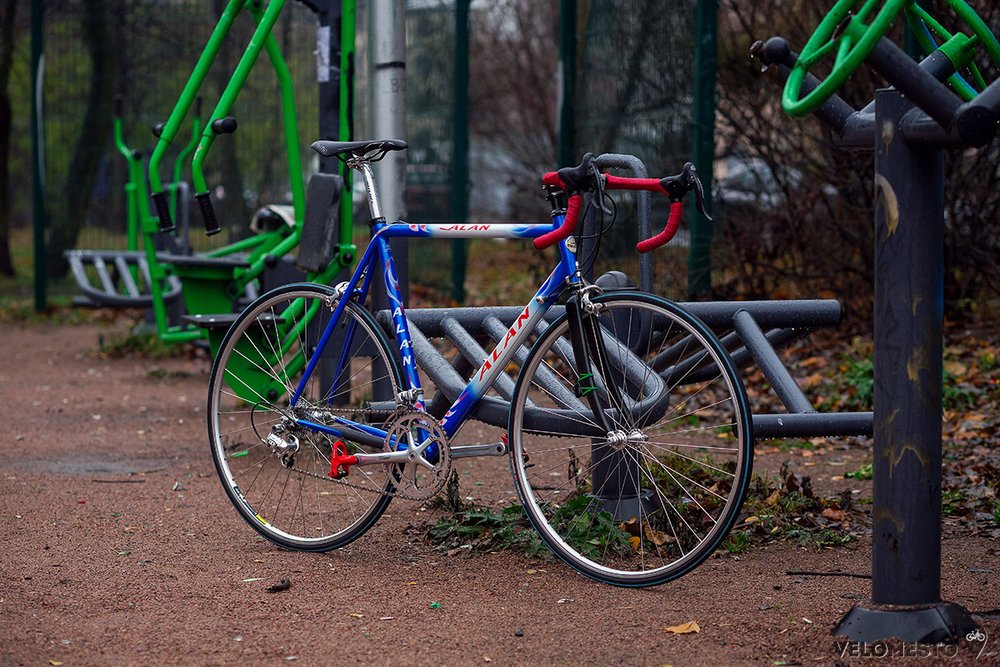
(614, 469)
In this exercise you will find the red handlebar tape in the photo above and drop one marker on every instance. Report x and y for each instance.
(552, 178)
(622, 183)
(612, 183)
(568, 225)
(673, 222)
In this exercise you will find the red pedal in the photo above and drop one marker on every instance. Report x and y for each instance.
(341, 461)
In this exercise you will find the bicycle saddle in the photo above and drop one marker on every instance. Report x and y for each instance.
(372, 150)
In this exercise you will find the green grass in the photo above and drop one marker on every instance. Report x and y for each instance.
(953, 502)
(794, 444)
(142, 345)
(737, 542)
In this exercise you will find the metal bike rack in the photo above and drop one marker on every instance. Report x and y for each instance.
(750, 331)
(908, 127)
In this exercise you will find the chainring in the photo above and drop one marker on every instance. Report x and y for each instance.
(425, 472)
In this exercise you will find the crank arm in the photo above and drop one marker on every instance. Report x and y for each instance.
(485, 449)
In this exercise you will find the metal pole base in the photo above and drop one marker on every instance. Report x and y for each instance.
(940, 623)
(630, 507)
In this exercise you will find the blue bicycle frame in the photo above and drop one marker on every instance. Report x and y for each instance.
(379, 255)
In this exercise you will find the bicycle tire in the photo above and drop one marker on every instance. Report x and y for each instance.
(646, 510)
(299, 507)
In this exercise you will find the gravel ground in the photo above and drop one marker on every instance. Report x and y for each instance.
(119, 547)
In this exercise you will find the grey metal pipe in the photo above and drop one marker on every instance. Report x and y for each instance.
(760, 349)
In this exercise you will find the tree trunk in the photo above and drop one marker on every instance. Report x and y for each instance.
(6, 60)
(94, 133)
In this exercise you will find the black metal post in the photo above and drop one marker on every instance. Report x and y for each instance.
(328, 75)
(909, 304)
(567, 92)
(38, 155)
(460, 147)
(703, 143)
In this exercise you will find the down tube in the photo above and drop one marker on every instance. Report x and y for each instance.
(496, 361)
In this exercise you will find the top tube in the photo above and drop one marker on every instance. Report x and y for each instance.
(450, 230)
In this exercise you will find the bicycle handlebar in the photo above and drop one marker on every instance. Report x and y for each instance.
(585, 177)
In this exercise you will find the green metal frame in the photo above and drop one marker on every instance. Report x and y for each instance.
(206, 288)
(844, 35)
(958, 48)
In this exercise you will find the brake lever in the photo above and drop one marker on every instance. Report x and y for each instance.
(699, 193)
(598, 178)
(687, 181)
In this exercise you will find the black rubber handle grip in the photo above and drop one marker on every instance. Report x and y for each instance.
(208, 214)
(119, 107)
(834, 112)
(163, 211)
(225, 125)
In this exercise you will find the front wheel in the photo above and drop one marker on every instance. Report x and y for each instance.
(647, 493)
(275, 469)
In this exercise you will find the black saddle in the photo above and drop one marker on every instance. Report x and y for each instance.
(370, 151)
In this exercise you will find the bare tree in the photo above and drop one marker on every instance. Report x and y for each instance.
(96, 27)
(820, 239)
(513, 92)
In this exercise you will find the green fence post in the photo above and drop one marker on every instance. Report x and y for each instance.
(460, 147)
(703, 144)
(37, 155)
(348, 35)
(567, 68)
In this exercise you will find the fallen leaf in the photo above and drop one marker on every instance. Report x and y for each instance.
(684, 628)
(655, 536)
(833, 514)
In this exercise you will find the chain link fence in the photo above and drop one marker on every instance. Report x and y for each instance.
(142, 51)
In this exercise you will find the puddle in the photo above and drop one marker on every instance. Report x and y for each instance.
(95, 465)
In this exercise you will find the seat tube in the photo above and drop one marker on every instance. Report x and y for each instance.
(399, 324)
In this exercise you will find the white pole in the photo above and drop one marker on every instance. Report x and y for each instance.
(388, 104)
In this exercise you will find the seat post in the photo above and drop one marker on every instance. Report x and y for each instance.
(368, 175)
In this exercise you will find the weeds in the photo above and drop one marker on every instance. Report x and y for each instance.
(864, 472)
(737, 542)
(143, 345)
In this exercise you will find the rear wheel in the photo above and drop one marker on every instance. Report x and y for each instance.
(648, 495)
(274, 470)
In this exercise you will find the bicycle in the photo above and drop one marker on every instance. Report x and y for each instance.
(629, 433)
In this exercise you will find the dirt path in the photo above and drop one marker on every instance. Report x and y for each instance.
(119, 547)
